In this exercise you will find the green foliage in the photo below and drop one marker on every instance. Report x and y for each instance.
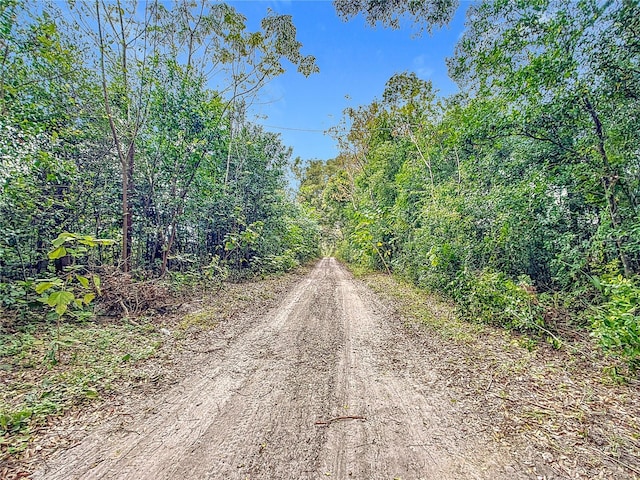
(616, 322)
(143, 144)
(17, 295)
(426, 13)
(276, 263)
(519, 189)
(70, 288)
(491, 297)
(196, 277)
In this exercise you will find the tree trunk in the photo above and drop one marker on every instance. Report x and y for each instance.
(124, 161)
(131, 189)
(608, 182)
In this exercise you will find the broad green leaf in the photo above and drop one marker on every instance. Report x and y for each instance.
(84, 281)
(57, 253)
(51, 299)
(88, 240)
(60, 298)
(62, 238)
(61, 309)
(42, 286)
(88, 298)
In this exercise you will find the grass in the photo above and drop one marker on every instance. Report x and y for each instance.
(361, 271)
(431, 310)
(560, 401)
(435, 313)
(46, 371)
(202, 319)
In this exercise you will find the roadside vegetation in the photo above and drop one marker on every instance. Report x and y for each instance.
(134, 192)
(517, 198)
(130, 181)
(106, 360)
(567, 409)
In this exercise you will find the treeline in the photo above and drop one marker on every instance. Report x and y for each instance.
(517, 197)
(127, 121)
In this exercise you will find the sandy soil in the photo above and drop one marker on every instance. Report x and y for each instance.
(322, 386)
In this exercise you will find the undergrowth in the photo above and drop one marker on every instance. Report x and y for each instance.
(47, 368)
(433, 312)
(575, 403)
(615, 325)
(46, 371)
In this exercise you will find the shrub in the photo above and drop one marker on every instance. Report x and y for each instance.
(276, 263)
(616, 322)
(492, 297)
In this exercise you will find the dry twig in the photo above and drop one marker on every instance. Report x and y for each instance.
(337, 419)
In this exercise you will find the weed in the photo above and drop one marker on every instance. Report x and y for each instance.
(92, 360)
(202, 319)
(612, 374)
(527, 343)
(426, 308)
(616, 323)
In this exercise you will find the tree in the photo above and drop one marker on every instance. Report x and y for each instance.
(163, 108)
(525, 183)
(48, 101)
(545, 59)
(200, 43)
(426, 14)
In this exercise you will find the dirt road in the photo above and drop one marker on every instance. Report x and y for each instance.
(321, 387)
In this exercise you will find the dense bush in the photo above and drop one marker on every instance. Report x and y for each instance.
(616, 322)
(147, 153)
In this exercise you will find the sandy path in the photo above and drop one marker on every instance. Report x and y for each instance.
(321, 387)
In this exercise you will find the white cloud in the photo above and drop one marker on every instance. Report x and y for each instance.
(421, 67)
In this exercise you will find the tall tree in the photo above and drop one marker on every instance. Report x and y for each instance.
(427, 14)
(200, 43)
(545, 58)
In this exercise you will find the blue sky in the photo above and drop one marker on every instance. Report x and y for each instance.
(355, 62)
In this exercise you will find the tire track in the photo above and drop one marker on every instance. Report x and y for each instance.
(310, 391)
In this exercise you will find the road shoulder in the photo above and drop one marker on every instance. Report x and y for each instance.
(557, 410)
